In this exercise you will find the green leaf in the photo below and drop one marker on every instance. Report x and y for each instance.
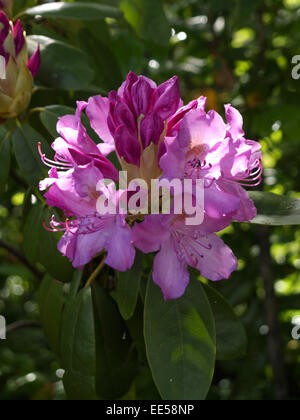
(108, 75)
(148, 19)
(128, 288)
(41, 246)
(78, 347)
(25, 142)
(80, 11)
(116, 359)
(51, 300)
(275, 210)
(231, 335)
(62, 65)
(180, 339)
(49, 116)
(5, 159)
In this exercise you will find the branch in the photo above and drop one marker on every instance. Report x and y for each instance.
(22, 324)
(21, 257)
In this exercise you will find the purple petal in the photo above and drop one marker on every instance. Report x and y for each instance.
(18, 35)
(63, 194)
(219, 203)
(72, 130)
(105, 148)
(121, 252)
(213, 258)
(200, 129)
(34, 62)
(125, 90)
(123, 116)
(97, 111)
(6, 27)
(169, 273)
(175, 121)
(141, 94)
(152, 127)
(173, 161)
(246, 210)
(128, 146)
(167, 98)
(149, 235)
(81, 249)
(235, 120)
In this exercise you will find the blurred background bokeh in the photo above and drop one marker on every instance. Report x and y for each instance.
(232, 51)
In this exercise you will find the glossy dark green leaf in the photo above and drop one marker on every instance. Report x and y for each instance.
(25, 142)
(49, 117)
(275, 210)
(148, 19)
(78, 347)
(5, 159)
(116, 358)
(81, 11)
(51, 301)
(136, 329)
(108, 75)
(180, 340)
(62, 65)
(128, 288)
(231, 335)
(41, 246)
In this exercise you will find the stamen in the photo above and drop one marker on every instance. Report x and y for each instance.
(186, 249)
(52, 229)
(250, 178)
(85, 226)
(58, 164)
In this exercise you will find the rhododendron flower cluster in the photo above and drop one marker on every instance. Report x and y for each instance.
(154, 137)
(16, 87)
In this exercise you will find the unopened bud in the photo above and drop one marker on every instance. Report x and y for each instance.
(16, 71)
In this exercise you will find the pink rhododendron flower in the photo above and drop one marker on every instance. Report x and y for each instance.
(181, 246)
(86, 232)
(75, 147)
(16, 87)
(133, 121)
(202, 146)
(155, 137)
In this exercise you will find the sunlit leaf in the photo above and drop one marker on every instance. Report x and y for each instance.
(275, 210)
(148, 19)
(81, 11)
(62, 65)
(180, 339)
(231, 336)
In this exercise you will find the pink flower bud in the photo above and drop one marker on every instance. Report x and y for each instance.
(17, 82)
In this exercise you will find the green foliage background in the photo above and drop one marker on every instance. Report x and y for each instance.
(233, 51)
